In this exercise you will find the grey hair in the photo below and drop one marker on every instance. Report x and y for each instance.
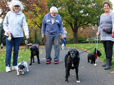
(14, 2)
(53, 9)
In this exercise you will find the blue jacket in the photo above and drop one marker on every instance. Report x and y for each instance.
(52, 29)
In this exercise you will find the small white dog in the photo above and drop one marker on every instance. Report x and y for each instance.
(22, 66)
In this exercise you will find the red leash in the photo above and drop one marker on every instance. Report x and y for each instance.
(86, 50)
(96, 56)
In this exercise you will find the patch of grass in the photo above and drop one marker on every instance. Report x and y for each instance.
(23, 55)
(86, 46)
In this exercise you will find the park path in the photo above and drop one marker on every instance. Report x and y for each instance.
(42, 74)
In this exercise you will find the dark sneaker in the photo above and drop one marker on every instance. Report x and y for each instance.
(48, 62)
(56, 62)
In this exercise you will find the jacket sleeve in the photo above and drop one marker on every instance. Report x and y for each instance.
(43, 26)
(99, 28)
(61, 27)
(65, 32)
(5, 23)
(112, 17)
(25, 26)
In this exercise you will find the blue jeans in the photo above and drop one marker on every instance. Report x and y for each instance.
(9, 44)
(63, 41)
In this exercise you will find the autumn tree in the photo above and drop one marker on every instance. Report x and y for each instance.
(78, 13)
(35, 11)
(3, 8)
(88, 32)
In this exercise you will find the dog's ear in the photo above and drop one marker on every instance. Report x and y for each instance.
(23, 66)
(69, 52)
(77, 52)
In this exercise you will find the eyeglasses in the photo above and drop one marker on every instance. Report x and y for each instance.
(16, 6)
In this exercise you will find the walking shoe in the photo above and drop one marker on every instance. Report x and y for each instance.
(48, 62)
(8, 69)
(14, 68)
(56, 62)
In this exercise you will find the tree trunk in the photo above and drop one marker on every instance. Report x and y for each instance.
(35, 36)
(75, 35)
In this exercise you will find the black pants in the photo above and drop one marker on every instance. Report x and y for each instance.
(108, 46)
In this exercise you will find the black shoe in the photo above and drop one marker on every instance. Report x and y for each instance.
(108, 63)
(106, 68)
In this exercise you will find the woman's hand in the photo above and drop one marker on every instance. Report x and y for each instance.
(27, 36)
(113, 30)
(8, 33)
(43, 36)
(97, 34)
(62, 37)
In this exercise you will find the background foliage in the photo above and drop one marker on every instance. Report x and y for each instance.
(79, 17)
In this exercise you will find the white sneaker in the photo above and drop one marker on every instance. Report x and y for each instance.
(8, 69)
(14, 68)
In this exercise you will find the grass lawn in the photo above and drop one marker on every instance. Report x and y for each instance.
(24, 54)
(86, 46)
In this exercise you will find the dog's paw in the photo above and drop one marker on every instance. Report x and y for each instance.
(17, 74)
(78, 81)
(66, 81)
(38, 62)
(30, 64)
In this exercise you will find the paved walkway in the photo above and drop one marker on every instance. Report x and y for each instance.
(42, 74)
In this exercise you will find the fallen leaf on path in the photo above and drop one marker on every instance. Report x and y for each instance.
(61, 60)
(112, 72)
(82, 67)
(73, 74)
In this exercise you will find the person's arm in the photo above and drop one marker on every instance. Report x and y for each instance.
(65, 32)
(5, 24)
(43, 27)
(25, 27)
(112, 17)
(61, 28)
(99, 28)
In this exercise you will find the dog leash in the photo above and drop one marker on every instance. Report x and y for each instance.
(23, 56)
(96, 48)
(86, 50)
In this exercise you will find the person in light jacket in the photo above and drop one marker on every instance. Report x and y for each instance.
(107, 23)
(52, 25)
(14, 23)
(64, 39)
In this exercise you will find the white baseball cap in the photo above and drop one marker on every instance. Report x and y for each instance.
(17, 3)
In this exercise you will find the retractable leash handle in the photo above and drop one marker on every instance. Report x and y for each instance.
(42, 39)
(113, 34)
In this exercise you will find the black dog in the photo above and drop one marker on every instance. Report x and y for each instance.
(93, 56)
(34, 51)
(72, 62)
